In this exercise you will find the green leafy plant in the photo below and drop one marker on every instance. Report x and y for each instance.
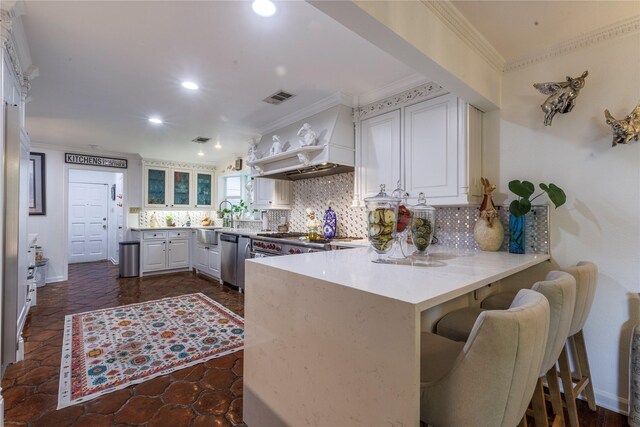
(524, 190)
(240, 207)
(169, 218)
(226, 211)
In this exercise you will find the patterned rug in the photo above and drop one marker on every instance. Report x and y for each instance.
(107, 350)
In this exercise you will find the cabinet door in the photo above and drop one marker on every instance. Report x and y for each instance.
(201, 257)
(154, 255)
(214, 262)
(431, 147)
(204, 189)
(178, 253)
(380, 153)
(181, 186)
(155, 181)
(263, 190)
(283, 194)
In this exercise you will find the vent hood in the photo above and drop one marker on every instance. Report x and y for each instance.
(333, 152)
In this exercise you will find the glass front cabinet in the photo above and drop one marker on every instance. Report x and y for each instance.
(166, 187)
(204, 189)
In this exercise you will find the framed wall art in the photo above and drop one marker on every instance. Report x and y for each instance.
(37, 199)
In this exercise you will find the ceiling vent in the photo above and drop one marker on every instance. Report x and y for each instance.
(278, 97)
(200, 139)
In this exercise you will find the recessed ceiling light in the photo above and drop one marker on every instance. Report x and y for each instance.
(263, 7)
(190, 85)
(217, 146)
(155, 120)
(200, 153)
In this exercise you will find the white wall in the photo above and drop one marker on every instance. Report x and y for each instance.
(52, 227)
(601, 220)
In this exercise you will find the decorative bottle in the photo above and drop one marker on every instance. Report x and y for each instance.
(330, 222)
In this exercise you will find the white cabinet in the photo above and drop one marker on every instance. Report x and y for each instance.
(271, 194)
(164, 250)
(179, 186)
(154, 255)
(433, 147)
(380, 153)
(207, 260)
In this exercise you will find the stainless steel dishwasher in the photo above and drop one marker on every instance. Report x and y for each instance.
(234, 251)
(228, 258)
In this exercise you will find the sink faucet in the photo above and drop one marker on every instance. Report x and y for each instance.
(225, 220)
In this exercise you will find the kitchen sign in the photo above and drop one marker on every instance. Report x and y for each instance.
(83, 159)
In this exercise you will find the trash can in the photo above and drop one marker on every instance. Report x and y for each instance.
(40, 272)
(129, 260)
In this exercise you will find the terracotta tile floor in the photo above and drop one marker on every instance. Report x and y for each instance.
(208, 394)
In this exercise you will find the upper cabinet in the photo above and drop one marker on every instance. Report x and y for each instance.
(271, 194)
(431, 146)
(168, 185)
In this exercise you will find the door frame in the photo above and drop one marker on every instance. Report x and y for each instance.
(65, 203)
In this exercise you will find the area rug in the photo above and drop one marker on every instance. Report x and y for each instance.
(108, 350)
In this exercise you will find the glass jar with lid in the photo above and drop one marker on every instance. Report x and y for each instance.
(403, 226)
(422, 225)
(382, 214)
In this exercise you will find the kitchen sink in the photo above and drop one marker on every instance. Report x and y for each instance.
(207, 236)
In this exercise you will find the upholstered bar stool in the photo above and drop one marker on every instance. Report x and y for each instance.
(489, 380)
(585, 274)
(560, 290)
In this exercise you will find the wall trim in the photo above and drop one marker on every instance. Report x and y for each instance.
(456, 22)
(612, 402)
(391, 89)
(303, 113)
(609, 32)
(411, 96)
(182, 165)
(55, 279)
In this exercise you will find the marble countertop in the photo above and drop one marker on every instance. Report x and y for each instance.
(239, 231)
(451, 273)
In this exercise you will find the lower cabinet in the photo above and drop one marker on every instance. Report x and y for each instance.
(162, 250)
(207, 260)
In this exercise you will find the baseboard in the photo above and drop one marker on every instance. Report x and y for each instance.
(612, 402)
(114, 261)
(55, 279)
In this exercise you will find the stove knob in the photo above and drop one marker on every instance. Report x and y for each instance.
(291, 251)
(298, 251)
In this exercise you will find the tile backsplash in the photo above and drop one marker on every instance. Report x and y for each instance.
(454, 224)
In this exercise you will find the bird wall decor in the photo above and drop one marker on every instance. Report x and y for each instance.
(625, 130)
(562, 96)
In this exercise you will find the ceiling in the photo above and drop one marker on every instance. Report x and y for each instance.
(106, 67)
(519, 28)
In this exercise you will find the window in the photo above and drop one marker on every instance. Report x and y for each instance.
(233, 188)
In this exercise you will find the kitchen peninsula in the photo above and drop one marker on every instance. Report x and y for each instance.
(334, 339)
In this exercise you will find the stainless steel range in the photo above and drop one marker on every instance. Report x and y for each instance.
(275, 244)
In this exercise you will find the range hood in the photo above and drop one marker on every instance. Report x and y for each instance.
(333, 152)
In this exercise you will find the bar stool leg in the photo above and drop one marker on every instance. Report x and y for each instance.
(556, 399)
(539, 407)
(585, 371)
(567, 385)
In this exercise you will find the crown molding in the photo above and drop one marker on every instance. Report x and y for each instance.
(15, 45)
(456, 22)
(391, 89)
(411, 96)
(81, 150)
(181, 165)
(609, 32)
(303, 113)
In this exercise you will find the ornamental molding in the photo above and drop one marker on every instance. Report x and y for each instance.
(179, 165)
(456, 22)
(411, 96)
(9, 45)
(610, 32)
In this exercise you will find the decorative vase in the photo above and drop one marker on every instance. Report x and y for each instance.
(330, 223)
(488, 234)
(516, 234)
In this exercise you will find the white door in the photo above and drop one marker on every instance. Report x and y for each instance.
(431, 147)
(380, 153)
(263, 191)
(214, 263)
(283, 193)
(88, 210)
(178, 253)
(154, 255)
(201, 257)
